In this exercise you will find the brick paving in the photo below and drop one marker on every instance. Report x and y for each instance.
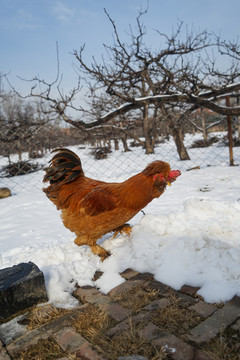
(214, 319)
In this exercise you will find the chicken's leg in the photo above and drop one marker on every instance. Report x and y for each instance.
(82, 240)
(100, 251)
(96, 249)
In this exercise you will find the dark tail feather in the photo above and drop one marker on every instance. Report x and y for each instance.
(64, 167)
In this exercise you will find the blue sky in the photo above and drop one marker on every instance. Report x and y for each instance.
(29, 29)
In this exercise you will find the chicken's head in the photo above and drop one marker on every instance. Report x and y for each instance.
(172, 176)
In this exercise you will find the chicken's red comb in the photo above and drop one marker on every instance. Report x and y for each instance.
(173, 175)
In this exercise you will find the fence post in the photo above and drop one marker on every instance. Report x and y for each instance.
(229, 126)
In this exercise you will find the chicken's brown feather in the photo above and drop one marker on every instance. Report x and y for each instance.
(91, 208)
(98, 200)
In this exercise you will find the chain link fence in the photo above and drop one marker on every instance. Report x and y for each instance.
(25, 150)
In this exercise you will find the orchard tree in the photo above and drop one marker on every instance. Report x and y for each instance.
(21, 126)
(173, 80)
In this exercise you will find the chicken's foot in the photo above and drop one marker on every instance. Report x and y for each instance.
(100, 251)
(96, 249)
(124, 229)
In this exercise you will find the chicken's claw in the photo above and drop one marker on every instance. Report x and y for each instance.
(124, 229)
(100, 251)
(105, 255)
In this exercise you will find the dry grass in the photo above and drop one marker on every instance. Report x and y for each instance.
(175, 318)
(92, 322)
(129, 342)
(136, 298)
(42, 315)
(45, 349)
(225, 346)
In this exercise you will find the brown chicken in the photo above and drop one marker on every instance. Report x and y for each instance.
(92, 208)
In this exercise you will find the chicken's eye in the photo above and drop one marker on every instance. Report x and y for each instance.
(158, 177)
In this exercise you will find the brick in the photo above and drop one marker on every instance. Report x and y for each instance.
(125, 287)
(220, 319)
(12, 330)
(200, 355)
(235, 302)
(186, 300)
(143, 276)
(160, 287)
(43, 332)
(91, 295)
(189, 290)
(129, 273)
(150, 332)
(116, 311)
(63, 321)
(132, 357)
(236, 325)
(157, 304)
(85, 352)
(125, 324)
(203, 309)
(179, 349)
(3, 352)
(69, 340)
(4, 355)
(166, 291)
(23, 342)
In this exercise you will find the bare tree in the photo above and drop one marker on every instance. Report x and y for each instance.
(21, 126)
(177, 73)
(179, 77)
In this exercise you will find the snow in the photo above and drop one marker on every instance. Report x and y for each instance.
(190, 235)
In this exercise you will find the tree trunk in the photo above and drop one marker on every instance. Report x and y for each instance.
(124, 141)
(178, 139)
(146, 131)
(238, 127)
(116, 145)
(154, 127)
(238, 119)
(19, 151)
(204, 126)
(177, 132)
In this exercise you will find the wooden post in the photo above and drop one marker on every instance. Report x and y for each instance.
(229, 125)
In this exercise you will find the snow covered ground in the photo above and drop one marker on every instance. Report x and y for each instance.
(190, 235)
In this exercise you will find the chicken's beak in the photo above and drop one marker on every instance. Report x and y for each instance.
(168, 183)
